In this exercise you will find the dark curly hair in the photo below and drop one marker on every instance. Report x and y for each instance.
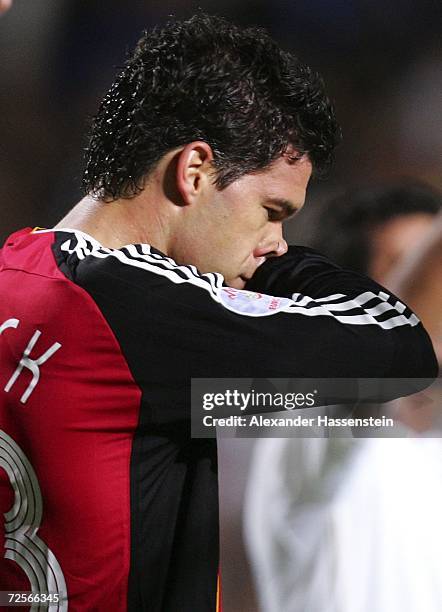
(207, 79)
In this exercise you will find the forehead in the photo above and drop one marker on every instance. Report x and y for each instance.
(284, 179)
(287, 171)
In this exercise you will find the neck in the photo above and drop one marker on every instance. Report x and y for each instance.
(120, 222)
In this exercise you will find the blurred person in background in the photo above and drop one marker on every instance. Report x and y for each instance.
(353, 524)
(371, 229)
(5, 5)
(384, 232)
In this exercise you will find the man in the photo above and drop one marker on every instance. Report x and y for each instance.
(371, 229)
(383, 231)
(201, 149)
(356, 525)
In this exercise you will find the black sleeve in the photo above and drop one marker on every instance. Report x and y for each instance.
(173, 323)
(305, 272)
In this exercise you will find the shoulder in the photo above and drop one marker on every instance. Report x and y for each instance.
(134, 269)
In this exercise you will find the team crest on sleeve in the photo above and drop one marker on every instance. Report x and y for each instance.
(252, 303)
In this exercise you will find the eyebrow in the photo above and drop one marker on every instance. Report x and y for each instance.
(287, 207)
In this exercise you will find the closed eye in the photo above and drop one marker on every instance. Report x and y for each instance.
(275, 215)
(280, 210)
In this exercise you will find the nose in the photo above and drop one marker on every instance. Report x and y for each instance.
(273, 245)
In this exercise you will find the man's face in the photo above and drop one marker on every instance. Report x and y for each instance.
(392, 240)
(4, 5)
(235, 230)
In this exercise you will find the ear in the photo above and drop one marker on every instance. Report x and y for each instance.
(194, 170)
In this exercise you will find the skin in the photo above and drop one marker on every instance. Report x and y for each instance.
(393, 240)
(5, 5)
(182, 213)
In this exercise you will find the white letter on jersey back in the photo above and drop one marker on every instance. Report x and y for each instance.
(32, 364)
(9, 323)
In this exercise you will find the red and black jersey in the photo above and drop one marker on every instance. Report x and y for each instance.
(108, 499)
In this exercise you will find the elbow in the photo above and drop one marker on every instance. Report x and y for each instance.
(415, 356)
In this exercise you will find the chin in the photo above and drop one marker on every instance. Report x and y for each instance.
(236, 283)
